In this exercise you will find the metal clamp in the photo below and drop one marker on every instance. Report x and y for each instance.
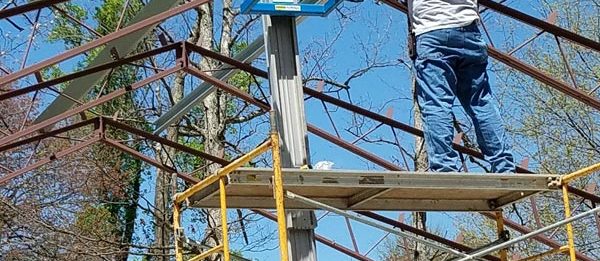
(554, 182)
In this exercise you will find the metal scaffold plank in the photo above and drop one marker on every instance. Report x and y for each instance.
(404, 190)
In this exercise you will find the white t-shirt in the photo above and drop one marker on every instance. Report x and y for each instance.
(429, 15)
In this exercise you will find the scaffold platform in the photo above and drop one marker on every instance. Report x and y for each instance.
(378, 190)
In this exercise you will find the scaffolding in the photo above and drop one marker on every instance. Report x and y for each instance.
(349, 193)
(246, 184)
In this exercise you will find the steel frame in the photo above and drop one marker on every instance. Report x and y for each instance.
(19, 138)
(245, 96)
(35, 5)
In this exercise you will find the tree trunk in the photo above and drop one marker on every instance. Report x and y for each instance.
(420, 164)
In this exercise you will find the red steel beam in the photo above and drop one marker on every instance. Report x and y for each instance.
(164, 141)
(72, 76)
(74, 111)
(28, 7)
(228, 88)
(422, 233)
(548, 27)
(541, 238)
(543, 77)
(47, 134)
(353, 148)
(138, 155)
(49, 159)
(226, 59)
(101, 41)
(322, 239)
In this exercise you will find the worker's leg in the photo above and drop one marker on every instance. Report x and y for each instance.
(474, 93)
(435, 83)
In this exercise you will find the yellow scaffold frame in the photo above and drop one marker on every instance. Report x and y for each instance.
(570, 247)
(273, 144)
(221, 176)
(565, 183)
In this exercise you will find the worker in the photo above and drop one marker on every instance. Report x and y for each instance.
(450, 59)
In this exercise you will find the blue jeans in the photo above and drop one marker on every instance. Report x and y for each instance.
(451, 63)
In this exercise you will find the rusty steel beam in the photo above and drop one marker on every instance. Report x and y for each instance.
(47, 134)
(35, 5)
(101, 41)
(527, 69)
(226, 59)
(72, 76)
(540, 238)
(353, 148)
(227, 87)
(584, 194)
(74, 111)
(422, 233)
(164, 141)
(543, 77)
(138, 155)
(49, 159)
(541, 24)
(322, 239)
(387, 120)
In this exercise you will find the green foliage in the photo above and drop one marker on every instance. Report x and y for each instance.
(65, 30)
(117, 219)
(95, 220)
(190, 162)
(109, 14)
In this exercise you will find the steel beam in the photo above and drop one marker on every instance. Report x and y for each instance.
(353, 148)
(422, 233)
(49, 159)
(321, 239)
(88, 71)
(530, 235)
(47, 134)
(163, 141)
(359, 218)
(541, 24)
(545, 78)
(138, 155)
(120, 46)
(74, 111)
(102, 41)
(39, 4)
(540, 238)
(227, 87)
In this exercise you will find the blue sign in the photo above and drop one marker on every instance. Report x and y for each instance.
(288, 8)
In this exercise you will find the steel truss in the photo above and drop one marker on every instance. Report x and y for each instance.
(183, 49)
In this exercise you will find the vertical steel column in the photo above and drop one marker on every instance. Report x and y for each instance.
(287, 100)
